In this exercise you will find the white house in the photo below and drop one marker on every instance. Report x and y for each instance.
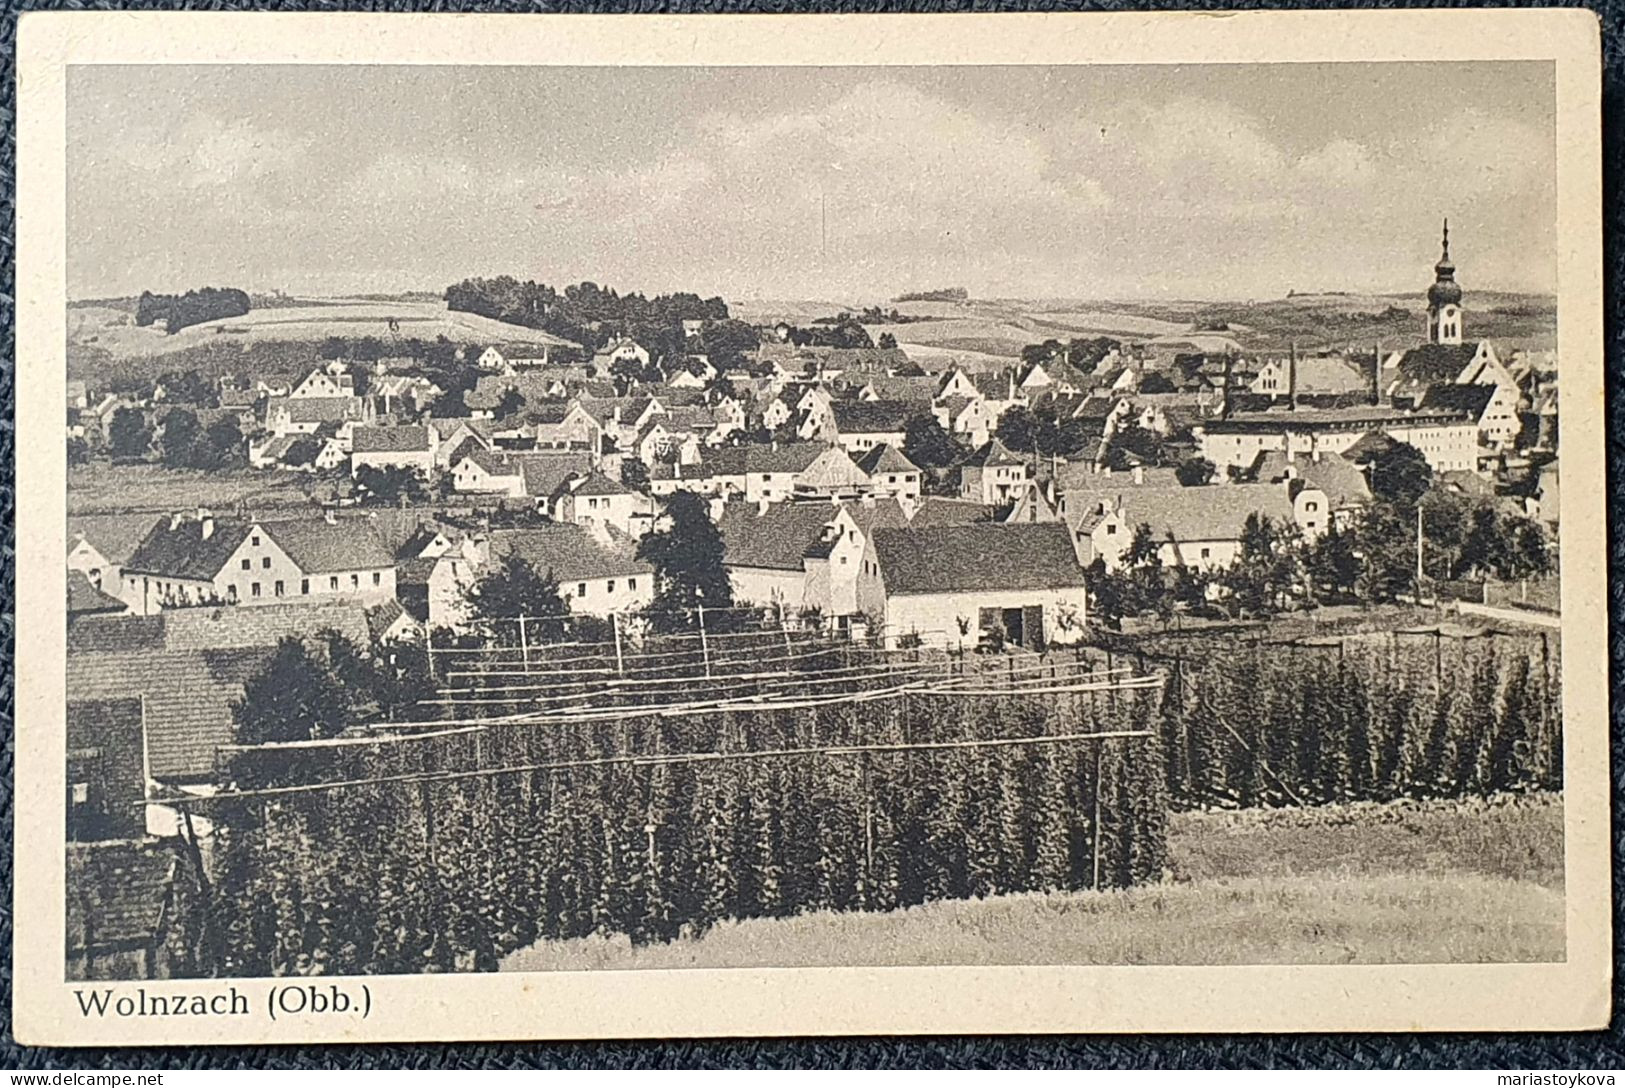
(959, 585)
(891, 474)
(411, 447)
(192, 560)
(596, 575)
(593, 499)
(324, 384)
(994, 476)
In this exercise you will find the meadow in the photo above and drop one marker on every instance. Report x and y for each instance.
(1471, 881)
(103, 488)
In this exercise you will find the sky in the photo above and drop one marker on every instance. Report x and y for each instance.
(851, 183)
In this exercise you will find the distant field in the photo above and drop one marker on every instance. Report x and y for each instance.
(1470, 882)
(116, 489)
(116, 332)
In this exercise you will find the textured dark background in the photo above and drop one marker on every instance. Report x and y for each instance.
(1590, 1050)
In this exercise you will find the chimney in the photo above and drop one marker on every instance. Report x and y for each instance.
(205, 523)
(1376, 373)
(1224, 405)
(1292, 378)
(1139, 474)
(329, 517)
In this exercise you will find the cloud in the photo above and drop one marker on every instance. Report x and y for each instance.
(205, 153)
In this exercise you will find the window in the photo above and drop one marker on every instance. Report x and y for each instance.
(581, 589)
(254, 540)
(843, 560)
(632, 584)
(231, 593)
(355, 581)
(1207, 553)
(377, 578)
(1311, 525)
(333, 582)
(81, 793)
(1111, 530)
(277, 589)
(265, 564)
(1311, 507)
(248, 564)
(304, 585)
(254, 590)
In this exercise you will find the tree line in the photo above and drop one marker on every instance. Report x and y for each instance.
(1372, 559)
(586, 313)
(192, 308)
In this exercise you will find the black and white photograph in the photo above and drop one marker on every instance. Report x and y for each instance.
(617, 518)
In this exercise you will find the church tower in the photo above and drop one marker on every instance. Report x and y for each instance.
(1444, 299)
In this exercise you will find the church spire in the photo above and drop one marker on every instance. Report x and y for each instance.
(1444, 298)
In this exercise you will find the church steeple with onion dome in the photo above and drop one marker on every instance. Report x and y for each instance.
(1444, 299)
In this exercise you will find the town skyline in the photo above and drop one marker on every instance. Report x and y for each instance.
(815, 184)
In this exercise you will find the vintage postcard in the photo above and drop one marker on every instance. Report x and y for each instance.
(674, 526)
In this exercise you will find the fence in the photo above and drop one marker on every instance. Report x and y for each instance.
(1433, 711)
(565, 797)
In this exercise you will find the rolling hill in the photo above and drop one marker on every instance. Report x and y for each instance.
(104, 342)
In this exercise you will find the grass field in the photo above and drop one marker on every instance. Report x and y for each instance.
(1471, 882)
(101, 488)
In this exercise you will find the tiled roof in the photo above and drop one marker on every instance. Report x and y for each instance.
(787, 457)
(870, 416)
(215, 627)
(544, 470)
(1469, 400)
(410, 439)
(886, 458)
(187, 697)
(186, 551)
(381, 617)
(1080, 478)
(1436, 362)
(118, 894)
(1213, 512)
(878, 360)
(568, 552)
(961, 558)
(319, 409)
(109, 737)
(86, 598)
(833, 470)
(937, 513)
(915, 392)
(995, 386)
(596, 483)
(1340, 478)
(993, 454)
(115, 536)
(776, 539)
(1330, 374)
(317, 547)
(410, 572)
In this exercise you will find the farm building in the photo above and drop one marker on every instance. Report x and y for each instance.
(891, 475)
(941, 585)
(411, 447)
(595, 499)
(187, 560)
(597, 574)
(993, 475)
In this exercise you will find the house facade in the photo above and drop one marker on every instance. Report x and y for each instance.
(200, 560)
(939, 587)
